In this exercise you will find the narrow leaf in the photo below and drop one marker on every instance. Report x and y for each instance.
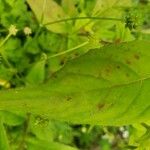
(39, 144)
(3, 138)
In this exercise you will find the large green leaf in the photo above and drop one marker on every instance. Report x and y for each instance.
(108, 86)
(50, 11)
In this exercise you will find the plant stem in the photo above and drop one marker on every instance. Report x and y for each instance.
(81, 18)
(69, 50)
(1, 52)
(5, 40)
(3, 55)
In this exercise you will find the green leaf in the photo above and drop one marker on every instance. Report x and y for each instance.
(50, 11)
(37, 73)
(49, 130)
(13, 46)
(69, 7)
(51, 42)
(140, 136)
(39, 144)
(102, 6)
(108, 8)
(15, 12)
(3, 137)
(122, 33)
(43, 130)
(107, 86)
(10, 118)
(32, 47)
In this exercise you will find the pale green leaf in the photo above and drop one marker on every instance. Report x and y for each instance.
(69, 7)
(108, 86)
(101, 6)
(122, 33)
(48, 11)
(108, 8)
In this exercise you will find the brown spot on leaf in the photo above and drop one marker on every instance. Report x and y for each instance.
(69, 98)
(108, 70)
(76, 54)
(100, 106)
(118, 67)
(25, 105)
(136, 56)
(117, 41)
(62, 62)
(127, 75)
(128, 62)
(53, 75)
(105, 42)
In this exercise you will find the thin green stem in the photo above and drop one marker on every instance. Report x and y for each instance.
(5, 40)
(80, 18)
(69, 50)
(3, 55)
(1, 52)
(90, 128)
(35, 36)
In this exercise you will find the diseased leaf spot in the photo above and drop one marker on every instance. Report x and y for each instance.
(108, 70)
(127, 75)
(128, 62)
(62, 62)
(53, 75)
(76, 54)
(100, 106)
(118, 67)
(69, 98)
(117, 41)
(136, 56)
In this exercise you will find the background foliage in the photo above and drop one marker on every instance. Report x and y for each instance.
(33, 46)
